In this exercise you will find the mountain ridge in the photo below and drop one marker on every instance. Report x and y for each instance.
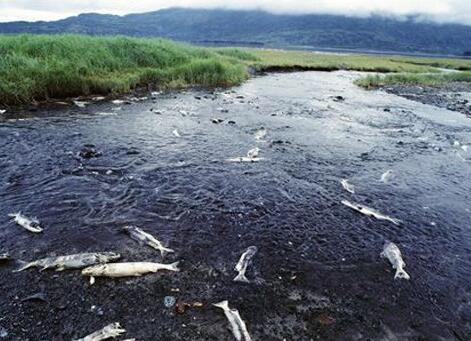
(378, 33)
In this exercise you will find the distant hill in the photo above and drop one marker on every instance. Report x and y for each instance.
(262, 28)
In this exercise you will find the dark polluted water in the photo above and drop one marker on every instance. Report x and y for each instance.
(162, 165)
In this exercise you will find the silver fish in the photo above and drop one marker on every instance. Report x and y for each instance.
(80, 104)
(134, 269)
(176, 133)
(260, 134)
(243, 263)
(238, 327)
(77, 261)
(347, 186)
(253, 153)
(146, 238)
(386, 176)
(252, 156)
(30, 224)
(370, 212)
(110, 331)
(393, 254)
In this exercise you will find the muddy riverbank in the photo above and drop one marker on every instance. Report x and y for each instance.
(87, 172)
(452, 96)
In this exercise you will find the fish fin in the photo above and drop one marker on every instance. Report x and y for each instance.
(92, 280)
(223, 305)
(400, 273)
(24, 266)
(241, 278)
(174, 266)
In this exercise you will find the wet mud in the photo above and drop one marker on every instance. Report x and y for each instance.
(317, 275)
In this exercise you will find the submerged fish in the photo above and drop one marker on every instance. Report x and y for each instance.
(386, 176)
(239, 329)
(370, 212)
(30, 224)
(243, 263)
(260, 134)
(252, 156)
(393, 254)
(110, 331)
(80, 104)
(135, 269)
(348, 186)
(145, 238)
(253, 153)
(77, 261)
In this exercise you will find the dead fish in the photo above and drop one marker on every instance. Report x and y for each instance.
(386, 176)
(393, 254)
(370, 212)
(98, 98)
(176, 133)
(2, 111)
(348, 186)
(244, 159)
(146, 238)
(253, 153)
(80, 104)
(4, 256)
(134, 269)
(117, 101)
(239, 329)
(30, 224)
(110, 331)
(77, 261)
(243, 263)
(260, 134)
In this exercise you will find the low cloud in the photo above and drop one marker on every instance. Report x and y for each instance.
(458, 11)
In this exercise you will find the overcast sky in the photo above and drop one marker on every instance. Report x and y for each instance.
(439, 10)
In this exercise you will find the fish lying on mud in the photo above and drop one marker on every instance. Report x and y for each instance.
(252, 156)
(386, 176)
(134, 269)
(30, 224)
(243, 263)
(347, 186)
(110, 331)
(142, 237)
(393, 254)
(4, 256)
(77, 261)
(238, 327)
(370, 212)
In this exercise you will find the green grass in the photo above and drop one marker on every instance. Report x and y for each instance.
(304, 60)
(413, 79)
(40, 67)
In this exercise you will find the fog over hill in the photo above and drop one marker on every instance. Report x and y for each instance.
(405, 34)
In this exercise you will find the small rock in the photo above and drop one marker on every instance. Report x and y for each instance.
(325, 320)
(89, 151)
(3, 332)
(198, 98)
(231, 122)
(217, 120)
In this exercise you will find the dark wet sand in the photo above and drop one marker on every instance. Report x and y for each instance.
(317, 275)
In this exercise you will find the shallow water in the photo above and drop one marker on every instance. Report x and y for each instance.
(317, 274)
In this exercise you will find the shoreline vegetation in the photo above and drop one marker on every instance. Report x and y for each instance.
(37, 68)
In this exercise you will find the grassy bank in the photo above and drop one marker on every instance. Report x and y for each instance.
(305, 60)
(36, 68)
(414, 79)
(40, 67)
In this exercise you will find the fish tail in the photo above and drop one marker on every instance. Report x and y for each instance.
(164, 251)
(24, 266)
(174, 266)
(400, 273)
(223, 305)
(241, 278)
